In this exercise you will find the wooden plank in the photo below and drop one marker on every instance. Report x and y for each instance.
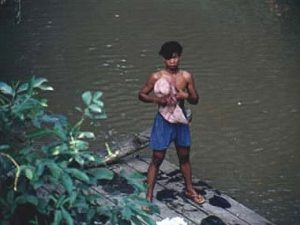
(108, 200)
(216, 200)
(170, 206)
(117, 168)
(221, 200)
(170, 179)
(165, 186)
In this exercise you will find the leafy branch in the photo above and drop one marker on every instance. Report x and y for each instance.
(16, 165)
(50, 163)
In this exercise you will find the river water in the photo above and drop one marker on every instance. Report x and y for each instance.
(243, 54)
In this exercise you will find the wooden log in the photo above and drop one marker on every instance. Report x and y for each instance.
(133, 144)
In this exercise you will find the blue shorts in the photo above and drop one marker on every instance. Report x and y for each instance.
(164, 132)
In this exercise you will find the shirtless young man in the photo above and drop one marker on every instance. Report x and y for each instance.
(165, 132)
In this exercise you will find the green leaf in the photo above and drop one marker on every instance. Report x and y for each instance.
(73, 197)
(93, 197)
(29, 172)
(81, 204)
(98, 103)
(44, 102)
(79, 160)
(67, 183)
(148, 219)
(145, 216)
(95, 108)
(46, 88)
(38, 81)
(87, 97)
(67, 216)
(102, 174)
(135, 179)
(136, 221)
(6, 89)
(78, 109)
(135, 175)
(59, 149)
(96, 98)
(4, 147)
(101, 116)
(42, 206)
(90, 215)
(137, 201)
(78, 174)
(60, 201)
(57, 217)
(86, 134)
(27, 199)
(22, 87)
(39, 133)
(88, 114)
(127, 213)
(60, 131)
(97, 95)
(79, 144)
(40, 166)
(89, 157)
(37, 183)
(55, 170)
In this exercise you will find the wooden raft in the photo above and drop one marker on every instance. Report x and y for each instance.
(169, 189)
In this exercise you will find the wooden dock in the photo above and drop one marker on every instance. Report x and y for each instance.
(218, 209)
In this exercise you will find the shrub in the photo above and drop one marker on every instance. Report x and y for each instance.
(43, 164)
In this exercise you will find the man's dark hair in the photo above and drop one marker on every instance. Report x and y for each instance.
(168, 49)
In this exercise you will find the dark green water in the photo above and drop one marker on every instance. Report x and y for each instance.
(245, 60)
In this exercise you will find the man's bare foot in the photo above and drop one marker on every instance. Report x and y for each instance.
(195, 197)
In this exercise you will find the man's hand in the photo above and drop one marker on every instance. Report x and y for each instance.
(163, 101)
(181, 95)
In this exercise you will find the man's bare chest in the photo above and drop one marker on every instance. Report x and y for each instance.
(177, 80)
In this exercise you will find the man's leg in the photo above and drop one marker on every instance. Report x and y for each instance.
(185, 166)
(186, 170)
(157, 159)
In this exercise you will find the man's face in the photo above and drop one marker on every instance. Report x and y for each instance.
(173, 62)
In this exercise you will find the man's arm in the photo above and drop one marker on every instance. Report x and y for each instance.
(144, 93)
(193, 97)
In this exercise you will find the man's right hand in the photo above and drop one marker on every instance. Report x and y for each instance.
(163, 101)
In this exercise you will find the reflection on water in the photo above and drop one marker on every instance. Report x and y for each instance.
(245, 61)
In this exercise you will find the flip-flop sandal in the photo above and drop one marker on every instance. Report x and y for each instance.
(195, 197)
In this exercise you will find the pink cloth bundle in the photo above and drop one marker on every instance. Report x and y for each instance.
(171, 111)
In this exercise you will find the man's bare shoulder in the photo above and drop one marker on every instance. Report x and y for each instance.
(186, 75)
(153, 78)
(156, 75)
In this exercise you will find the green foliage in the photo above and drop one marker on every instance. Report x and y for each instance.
(48, 168)
(21, 102)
